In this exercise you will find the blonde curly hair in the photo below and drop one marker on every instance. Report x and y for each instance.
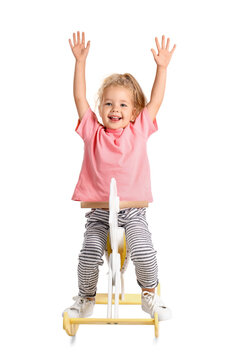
(128, 81)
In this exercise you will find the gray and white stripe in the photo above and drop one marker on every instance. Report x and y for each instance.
(139, 242)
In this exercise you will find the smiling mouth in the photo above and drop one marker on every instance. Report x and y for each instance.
(114, 118)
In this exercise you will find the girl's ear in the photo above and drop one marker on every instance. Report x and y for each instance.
(133, 115)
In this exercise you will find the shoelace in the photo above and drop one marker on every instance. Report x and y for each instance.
(80, 300)
(152, 300)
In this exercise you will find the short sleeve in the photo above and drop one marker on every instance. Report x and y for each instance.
(144, 124)
(88, 125)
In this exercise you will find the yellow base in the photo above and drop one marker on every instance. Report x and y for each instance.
(70, 325)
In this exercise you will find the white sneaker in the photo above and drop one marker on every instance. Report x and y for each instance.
(151, 303)
(81, 308)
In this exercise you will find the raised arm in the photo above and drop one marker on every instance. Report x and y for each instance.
(162, 60)
(79, 84)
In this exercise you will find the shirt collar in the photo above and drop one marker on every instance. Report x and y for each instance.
(115, 131)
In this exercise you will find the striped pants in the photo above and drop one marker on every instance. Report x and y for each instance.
(138, 238)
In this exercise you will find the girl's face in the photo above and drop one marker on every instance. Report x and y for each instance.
(116, 108)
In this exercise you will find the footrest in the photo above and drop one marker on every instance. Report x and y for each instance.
(70, 325)
(101, 321)
(129, 299)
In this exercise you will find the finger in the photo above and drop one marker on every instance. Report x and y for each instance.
(78, 37)
(167, 45)
(74, 39)
(157, 43)
(154, 53)
(70, 42)
(174, 47)
(88, 45)
(83, 38)
(163, 42)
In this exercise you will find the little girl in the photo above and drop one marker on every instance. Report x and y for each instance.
(117, 149)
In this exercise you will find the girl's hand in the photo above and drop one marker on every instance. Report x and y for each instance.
(164, 55)
(78, 49)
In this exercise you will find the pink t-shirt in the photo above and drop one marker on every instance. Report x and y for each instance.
(119, 153)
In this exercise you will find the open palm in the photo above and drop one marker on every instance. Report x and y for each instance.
(164, 55)
(79, 50)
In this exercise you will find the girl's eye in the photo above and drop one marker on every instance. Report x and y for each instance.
(108, 103)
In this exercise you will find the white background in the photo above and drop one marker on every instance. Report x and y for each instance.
(197, 170)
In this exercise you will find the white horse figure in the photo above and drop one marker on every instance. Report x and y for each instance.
(117, 249)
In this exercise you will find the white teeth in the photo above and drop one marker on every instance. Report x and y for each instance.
(114, 117)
